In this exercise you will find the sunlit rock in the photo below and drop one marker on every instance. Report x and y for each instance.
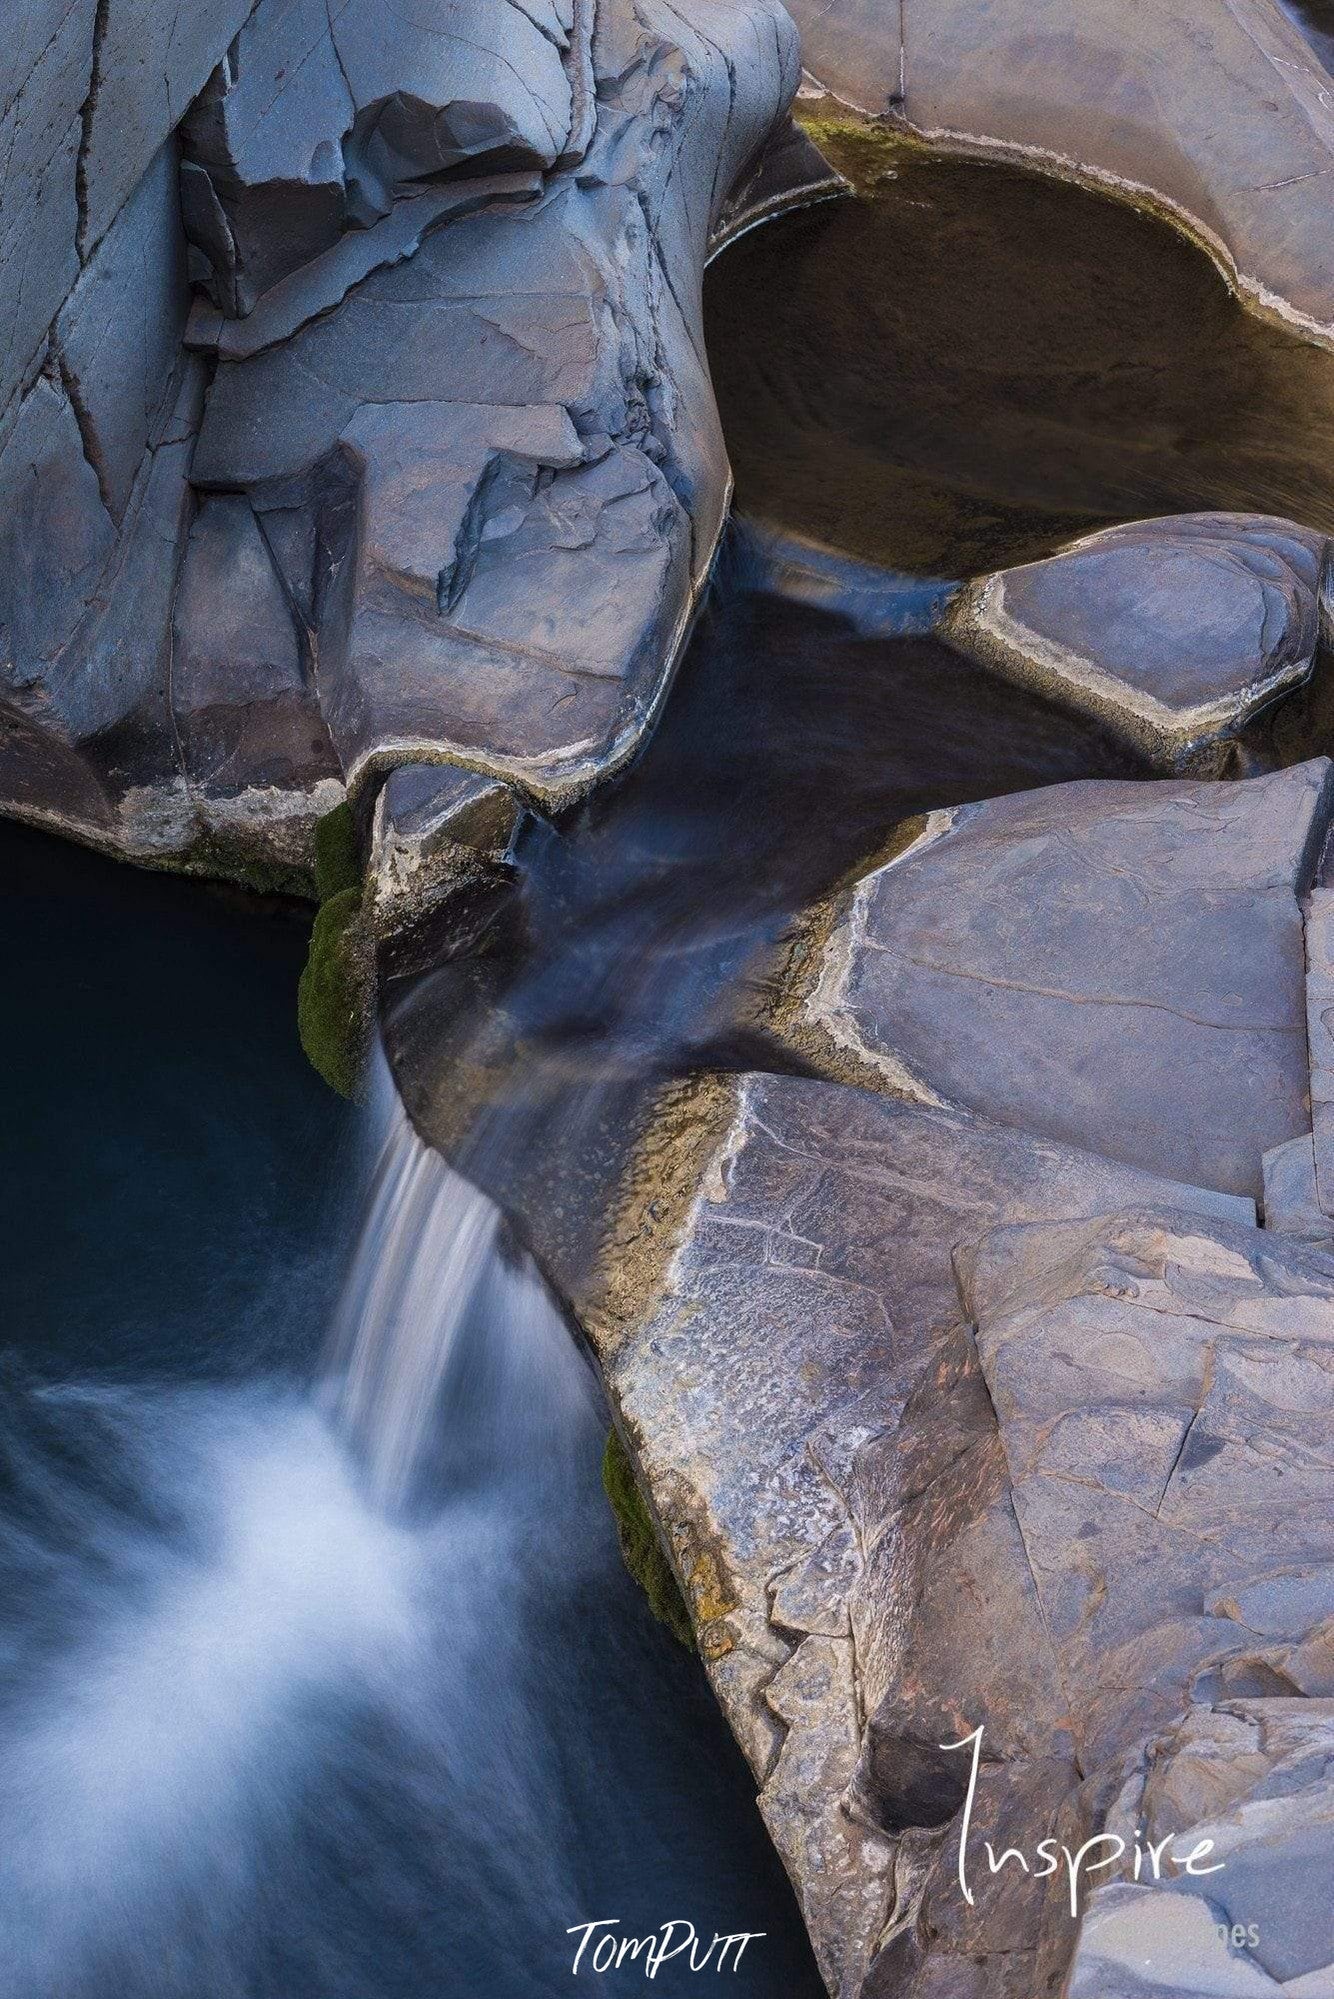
(1173, 632)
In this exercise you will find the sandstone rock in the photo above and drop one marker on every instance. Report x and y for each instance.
(821, 1451)
(1113, 965)
(1219, 114)
(1174, 632)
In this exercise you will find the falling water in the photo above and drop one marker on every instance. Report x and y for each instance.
(449, 1359)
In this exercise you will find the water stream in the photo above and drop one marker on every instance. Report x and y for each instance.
(320, 1677)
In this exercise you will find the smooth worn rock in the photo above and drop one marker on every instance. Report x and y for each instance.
(808, 1416)
(1320, 1035)
(1173, 632)
(453, 268)
(1217, 112)
(118, 337)
(1165, 1396)
(1291, 1198)
(252, 740)
(437, 829)
(1113, 965)
(508, 438)
(45, 64)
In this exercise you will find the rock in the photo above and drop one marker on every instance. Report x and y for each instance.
(149, 60)
(44, 73)
(1255, 1777)
(319, 118)
(437, 830)
(1320, 1035)
(253, 744)
(461, 436)
(508, 440)
(1218, 115)
(1174, 632)
(1164, 1396)
(1117, 966)
(118, 337)
(1291, 1200)
(780, 1331)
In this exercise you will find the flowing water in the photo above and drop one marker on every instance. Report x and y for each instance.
(320, 1677)
(272, 1725)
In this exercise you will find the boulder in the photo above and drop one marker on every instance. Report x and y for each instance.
(1256, 1779)
(505, 437)
(1174, 632)
(781, 1336)
(458, 432)
(1113, 965)
(1217, 114)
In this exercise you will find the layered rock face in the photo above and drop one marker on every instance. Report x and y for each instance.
(436, 473)
(969, 1395)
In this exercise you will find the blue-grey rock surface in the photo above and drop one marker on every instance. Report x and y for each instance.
(1115, 965)
(367, 340)
(1173, 632)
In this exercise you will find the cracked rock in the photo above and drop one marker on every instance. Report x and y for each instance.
(791, 1365)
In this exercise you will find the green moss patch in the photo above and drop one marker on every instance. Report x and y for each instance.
(640, 1546)
(329, 1005)
(337, 853)
(863, 150)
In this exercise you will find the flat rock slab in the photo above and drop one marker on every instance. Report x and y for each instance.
(818, 1444)
(1164, 1390)
(1217, 111)
(1117, 966)
(1173, 632)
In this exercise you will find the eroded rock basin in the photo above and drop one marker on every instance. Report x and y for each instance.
(735, 1044)
(976, 362)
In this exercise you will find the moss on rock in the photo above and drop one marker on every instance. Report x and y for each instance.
(330, 999)
(864, 150)
(640, 1546)
(337, 853)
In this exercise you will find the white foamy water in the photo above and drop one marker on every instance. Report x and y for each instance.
(267, 1620)
(445, 1345)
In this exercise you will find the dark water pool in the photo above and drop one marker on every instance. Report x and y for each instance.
(255, 1741)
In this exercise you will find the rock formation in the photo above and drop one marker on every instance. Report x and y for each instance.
(452, 477)
(950, 1419)
(1174, 632)
(1117, 966)
(1216, 112)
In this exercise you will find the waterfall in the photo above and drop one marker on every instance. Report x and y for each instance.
(449, 1362)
